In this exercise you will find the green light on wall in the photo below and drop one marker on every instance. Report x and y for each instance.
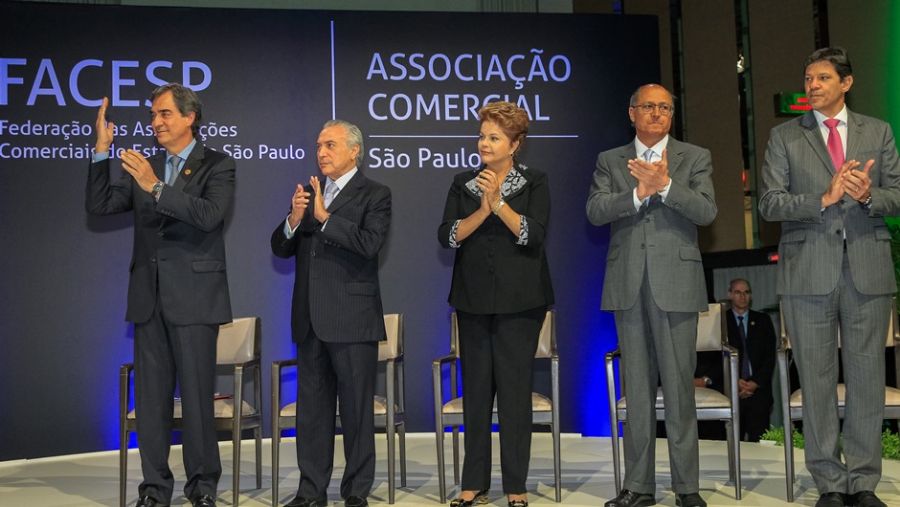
(791, 104)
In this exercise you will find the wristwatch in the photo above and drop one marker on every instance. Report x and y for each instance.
(868, 202)
(156, 191)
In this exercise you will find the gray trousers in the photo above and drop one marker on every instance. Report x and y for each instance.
(812, 323)
(659, 345)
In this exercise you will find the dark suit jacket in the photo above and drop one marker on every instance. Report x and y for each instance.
(179, 248)
(336, 289)
(761, 342)
(492, 273)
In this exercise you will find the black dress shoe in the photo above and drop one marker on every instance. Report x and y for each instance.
(480, 498)
(689, 500)
(866, 499)
(203, 501)
(832, 499)
(355, 501)
(628, 498)
(300, 501)
(149, 501)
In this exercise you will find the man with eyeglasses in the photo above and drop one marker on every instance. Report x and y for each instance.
(753, 335)
(654, 192)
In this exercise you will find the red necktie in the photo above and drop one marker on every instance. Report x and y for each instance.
(835, 148)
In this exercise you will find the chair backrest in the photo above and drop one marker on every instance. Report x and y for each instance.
(547, 339)
(891, 340)
(546, 347)
(712, 328)
(392, 346)
(238, 341)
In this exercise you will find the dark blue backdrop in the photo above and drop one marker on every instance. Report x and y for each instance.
(268, 80)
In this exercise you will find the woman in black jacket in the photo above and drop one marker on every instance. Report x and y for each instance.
(496, 218)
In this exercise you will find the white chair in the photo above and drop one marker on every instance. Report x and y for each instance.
(792, 403)
(712, 335)
(450, 413)
(237, 350)
(389, 409)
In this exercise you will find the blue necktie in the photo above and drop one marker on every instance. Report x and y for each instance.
(172, 169)
(331, 190)
(746, 370)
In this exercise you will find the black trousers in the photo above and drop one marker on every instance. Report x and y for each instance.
(497, 355)
(163, 355)
(328, 374)
(755, 412)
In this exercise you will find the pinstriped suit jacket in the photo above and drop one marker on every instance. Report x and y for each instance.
(796, 172)
(336, 287)
(660, 236)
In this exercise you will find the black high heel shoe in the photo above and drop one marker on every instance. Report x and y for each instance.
(480, 498)
(517, 503)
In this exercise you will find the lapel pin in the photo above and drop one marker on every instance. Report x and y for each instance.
(187, 172)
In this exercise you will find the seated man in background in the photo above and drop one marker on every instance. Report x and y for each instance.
(753, 335)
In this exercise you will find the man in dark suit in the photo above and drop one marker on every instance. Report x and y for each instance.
(753, 335)
(829, 177)
(178, 290)
(655, 191)
(337, 318)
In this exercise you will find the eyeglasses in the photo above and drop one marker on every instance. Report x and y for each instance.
(649, 108)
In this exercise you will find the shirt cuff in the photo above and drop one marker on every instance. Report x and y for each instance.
(288, 231)
(452, 239)
(665, 191)
(99, 157)
(637, 202)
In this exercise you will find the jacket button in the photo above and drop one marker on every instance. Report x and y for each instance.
(160, 234)
(642, 246)
(313, 253)
(153, 259)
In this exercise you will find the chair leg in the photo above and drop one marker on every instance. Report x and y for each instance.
(729, 444)
(789, 459)
(439, 443)
(236, 463)
(456, 455)
(123, 466)
(390, 429)
(614, 439)
(276, 444)
(736, 453)
(257, 433)
(402, 430)
(557, 472)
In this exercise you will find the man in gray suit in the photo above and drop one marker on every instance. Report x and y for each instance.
(835, 271)
(335, 234)
(655, 191)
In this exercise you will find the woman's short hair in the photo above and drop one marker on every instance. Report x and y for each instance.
(512, 119)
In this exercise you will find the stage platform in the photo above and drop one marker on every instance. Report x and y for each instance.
(587, 476)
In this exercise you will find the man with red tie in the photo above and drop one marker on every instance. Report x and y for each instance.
(829, 177)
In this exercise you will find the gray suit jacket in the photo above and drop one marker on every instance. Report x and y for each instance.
(661, 236)
(796, 172)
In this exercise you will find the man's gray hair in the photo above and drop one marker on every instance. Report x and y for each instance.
(354, 137)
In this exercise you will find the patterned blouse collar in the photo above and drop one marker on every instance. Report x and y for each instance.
(514, 181)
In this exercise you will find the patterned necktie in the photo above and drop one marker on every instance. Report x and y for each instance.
(648, 155)
(835, 148)
(172, 169)
(746, 370)
(331, 190)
